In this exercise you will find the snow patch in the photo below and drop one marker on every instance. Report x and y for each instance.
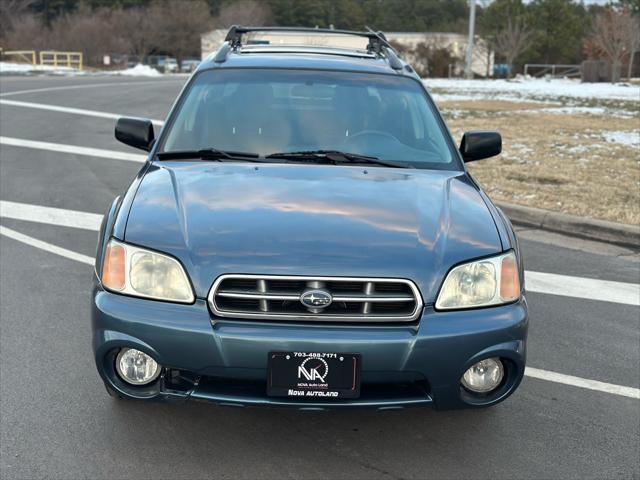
(629, 139)
(495, 96)
(25, 68)
(138, 71)
(531, 89)
(574, 110)
(578, 149)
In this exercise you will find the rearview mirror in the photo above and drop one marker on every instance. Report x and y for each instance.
(479, 144)
(136, 132)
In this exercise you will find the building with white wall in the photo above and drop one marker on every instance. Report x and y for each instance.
(456, 43)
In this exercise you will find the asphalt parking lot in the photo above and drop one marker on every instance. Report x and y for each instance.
(56, 420)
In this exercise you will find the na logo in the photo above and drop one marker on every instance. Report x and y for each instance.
(313, 369)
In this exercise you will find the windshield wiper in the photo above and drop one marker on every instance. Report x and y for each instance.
(335, 157)
(210, 154)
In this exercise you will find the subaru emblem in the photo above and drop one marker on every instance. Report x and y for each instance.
(316, 299)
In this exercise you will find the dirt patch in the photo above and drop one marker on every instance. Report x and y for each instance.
(560, 162)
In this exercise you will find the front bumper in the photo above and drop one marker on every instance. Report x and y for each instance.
(223, 361)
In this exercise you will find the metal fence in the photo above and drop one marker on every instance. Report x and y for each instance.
(61, 59)
(554, 70)
(20, 56)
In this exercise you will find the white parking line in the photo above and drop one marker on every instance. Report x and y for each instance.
(60, 147)
(90, 85)
(48, 247)
(51, 216)
(582, 383)
(547, 375)
(580, 287)
(76, 111)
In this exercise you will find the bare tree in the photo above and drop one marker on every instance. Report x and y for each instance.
(244, 12)
(15, 21)
(138, 27)
(10, 10)
(181, 25)
(615, 33)
(89, 31)
(513, 39)
(27, 32)
(634, 44)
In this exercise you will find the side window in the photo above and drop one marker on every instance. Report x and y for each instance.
(182, 135)
(191, 107)
(417, 123)
(433, 134)
(190, 130)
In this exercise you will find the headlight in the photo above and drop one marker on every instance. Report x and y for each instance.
(490, 281)
(143, 273)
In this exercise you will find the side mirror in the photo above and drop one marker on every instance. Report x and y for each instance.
(136, 132)
(478, 145)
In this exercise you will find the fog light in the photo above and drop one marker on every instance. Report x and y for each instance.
(484, 376)
(136, 367)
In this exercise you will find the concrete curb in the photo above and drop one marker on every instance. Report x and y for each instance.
(601, 230)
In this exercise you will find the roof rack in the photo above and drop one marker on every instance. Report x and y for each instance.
(377, 45)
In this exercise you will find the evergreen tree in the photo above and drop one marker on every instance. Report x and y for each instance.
(560, 27)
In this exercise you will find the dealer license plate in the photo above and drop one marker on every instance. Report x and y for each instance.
(313, 375)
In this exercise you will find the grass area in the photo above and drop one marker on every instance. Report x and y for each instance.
(572, 161)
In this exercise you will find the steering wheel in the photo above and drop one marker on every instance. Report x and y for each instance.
(370, 133)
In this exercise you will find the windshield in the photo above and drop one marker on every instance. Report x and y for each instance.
(275, 111)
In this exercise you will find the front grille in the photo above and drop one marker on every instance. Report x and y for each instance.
(270, 297)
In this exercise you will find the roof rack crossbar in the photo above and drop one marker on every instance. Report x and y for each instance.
(378, 43)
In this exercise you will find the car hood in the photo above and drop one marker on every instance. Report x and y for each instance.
(311, 220)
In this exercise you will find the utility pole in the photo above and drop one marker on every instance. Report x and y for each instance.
(468, 73)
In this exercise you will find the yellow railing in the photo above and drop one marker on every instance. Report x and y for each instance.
(26, 56)
(61, 59)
